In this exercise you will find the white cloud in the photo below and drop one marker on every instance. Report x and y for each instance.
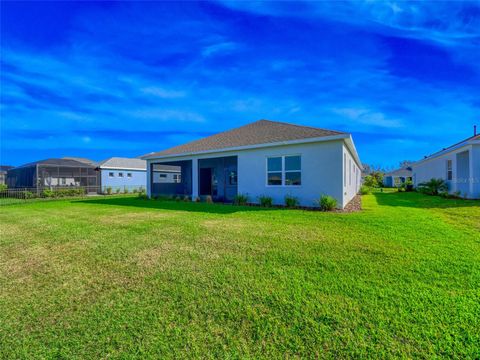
(368, 117)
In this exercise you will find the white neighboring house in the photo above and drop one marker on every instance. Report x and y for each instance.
(263, 158)
(458, 165)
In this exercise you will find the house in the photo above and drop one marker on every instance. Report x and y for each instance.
(397, 177)
(122, 173)
(263, 158)
(458, 165)
(53, 173)
(131, 174)
(3, 173)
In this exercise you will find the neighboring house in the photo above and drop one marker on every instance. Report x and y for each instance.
(263, 158)
(118, 172)
(458, 165)
(53, 173)
(397, 177)
(3, 173)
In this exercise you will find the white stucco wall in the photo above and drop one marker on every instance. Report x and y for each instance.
(322, 172)
(437, 168)
(351, 176)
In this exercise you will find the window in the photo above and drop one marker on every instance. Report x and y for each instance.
(120, 174)
(449, 170)
(129, 175)
(163, 176)
(232, 178)
(350, 172)
(284, 170)
(63, 181)
(345, 170)
(177, 178)
(111, 174)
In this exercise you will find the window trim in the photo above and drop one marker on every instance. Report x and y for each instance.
(111, 174)
(120, 174)
(129, 175)
(283, 171)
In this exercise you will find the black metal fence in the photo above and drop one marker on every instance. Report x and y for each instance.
(24, 195)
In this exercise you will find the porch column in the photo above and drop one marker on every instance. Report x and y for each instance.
(471, 176)
(149, 179)
(194, 179)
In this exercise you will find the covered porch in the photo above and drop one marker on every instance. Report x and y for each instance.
(215, 177)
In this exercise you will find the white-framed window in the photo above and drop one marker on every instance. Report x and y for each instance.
(120, 174)
(129, 175)
(350, 172)
(111, 174)
(177, 178)
(284, 170)
(163, 176)
(345, 170)
(449, 170)
(63, 181)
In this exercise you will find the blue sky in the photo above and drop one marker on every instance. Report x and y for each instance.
(123, 79)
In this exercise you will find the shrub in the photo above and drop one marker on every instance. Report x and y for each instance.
(178, 199)
(365, 190)
(47, 193)
(142, 195)
(135, 190)
(125, 190)
(208, 199)
(433, 186)
(28, 195)
(186, 198)
(327, 203)
(197, 199)
(109, 190)
(291, 201)
(3, 187)
(240, 199)
(117, 190)
(265, 201)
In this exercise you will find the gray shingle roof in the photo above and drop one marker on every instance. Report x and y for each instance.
(406, 172)
(58, 162)
(259, 132)
(122, 163)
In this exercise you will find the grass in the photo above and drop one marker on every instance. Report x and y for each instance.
(124, 278)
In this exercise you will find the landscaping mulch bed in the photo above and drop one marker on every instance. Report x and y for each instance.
(354, 205)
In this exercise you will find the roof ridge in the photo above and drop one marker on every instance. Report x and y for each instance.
(297, 125)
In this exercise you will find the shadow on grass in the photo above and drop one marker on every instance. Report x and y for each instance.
(417, 200)
(173, 205)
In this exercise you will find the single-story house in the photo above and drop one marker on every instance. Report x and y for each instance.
(53, 173)
(458, 165)
(263, 158)
(122, 173)
(397, 177)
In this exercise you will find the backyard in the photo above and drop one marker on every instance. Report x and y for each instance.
(123, 277)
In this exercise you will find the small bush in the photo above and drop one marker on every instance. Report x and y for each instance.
(433, 187)
(135, 191)
(365, 190)
(142, 196)
(178, 199)
(28, 195)
(240, 199)
(109, 190)
(327, 203)
(291, 201)
(186, 198)
(208, 199)
(3, 187)
(125, 190)
(265, 201)
(197, 199)
(117, 190)
(47, 193)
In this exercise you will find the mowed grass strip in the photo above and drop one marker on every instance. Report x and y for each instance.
(125, 277)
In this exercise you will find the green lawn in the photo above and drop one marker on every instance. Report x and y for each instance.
(125, 277)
